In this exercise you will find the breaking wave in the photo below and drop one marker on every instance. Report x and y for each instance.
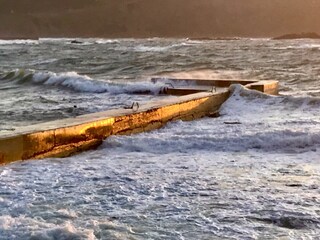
(29, 228)
(76, 82)
(249, 120)
(247, 101)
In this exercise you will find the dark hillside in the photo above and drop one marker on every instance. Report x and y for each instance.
(157, 18)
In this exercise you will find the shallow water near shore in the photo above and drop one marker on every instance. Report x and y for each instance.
(252, 173)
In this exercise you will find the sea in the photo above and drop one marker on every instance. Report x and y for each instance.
(257, 178)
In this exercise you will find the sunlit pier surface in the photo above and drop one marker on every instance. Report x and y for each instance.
(61, 138)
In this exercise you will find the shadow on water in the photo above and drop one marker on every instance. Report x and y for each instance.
(290, 222)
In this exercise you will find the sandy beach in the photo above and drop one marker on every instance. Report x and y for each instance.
(156, 18)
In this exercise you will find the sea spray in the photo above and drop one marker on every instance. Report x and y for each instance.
(79, 83)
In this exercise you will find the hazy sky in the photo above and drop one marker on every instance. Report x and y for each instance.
(145, 18)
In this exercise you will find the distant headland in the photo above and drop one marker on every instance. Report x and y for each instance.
(311, 35)
(194, 19)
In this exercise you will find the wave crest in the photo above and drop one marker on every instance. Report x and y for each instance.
(79, 83)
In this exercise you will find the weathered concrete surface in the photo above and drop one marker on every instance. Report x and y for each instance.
(265, 86)
(65, 137)
(269, 87)
(185, 90)
(223, 83)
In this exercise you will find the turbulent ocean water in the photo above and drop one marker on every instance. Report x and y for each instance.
(205, 179)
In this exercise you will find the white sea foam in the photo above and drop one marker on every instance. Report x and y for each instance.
(18, 42)
(160, 48)
(37, 229)
(143, 48)
(55, 39)
(64, 233)
(83, 83)
(247, 101)
(274, 122)
(106, 41)
(249, 120)
(300, 46)
(252, 173)
(6, 222)
(70, 80)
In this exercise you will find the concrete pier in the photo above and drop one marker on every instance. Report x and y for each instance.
(266, 86)
(65, 137)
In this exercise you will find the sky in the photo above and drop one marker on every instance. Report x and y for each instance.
(157, 18)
